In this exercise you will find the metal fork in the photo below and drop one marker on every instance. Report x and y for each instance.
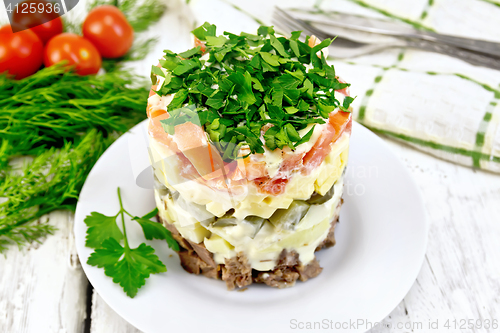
(351, 43)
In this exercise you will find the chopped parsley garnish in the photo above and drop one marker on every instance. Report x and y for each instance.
(247, 82)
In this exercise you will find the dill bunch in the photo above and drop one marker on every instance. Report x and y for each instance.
(51, 181)
(141, 14)
(54, 106)
(65, 121)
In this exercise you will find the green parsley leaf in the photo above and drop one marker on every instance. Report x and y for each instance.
(128, 273)
(134, 268)
(216, 41)
(205, 30)
(282, 138)
(325, 109)
(295, 35)
(157, 71)
(244, 86)
(156, 230)
(151, 214)
(186, 66)
(306, 137)
(129, 267)
(271, 59)
(108, 254)
(216, 101)
(208, 116)
(178, 99)
(347, 102)
(255, 62)
(322, 45)
(190, 53)
(303, 106)
(144, 254)
(270, 137)
(295, 48)
(275, 112)
(264, 31)
(292, 132)
(100, 228)
(278, 46)
(251, 138)
(257, 85)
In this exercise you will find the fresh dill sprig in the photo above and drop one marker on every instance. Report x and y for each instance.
(51, 181)
(54, 105)
(140, 14)
(65, 121)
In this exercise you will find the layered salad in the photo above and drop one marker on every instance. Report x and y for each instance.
(249, 139)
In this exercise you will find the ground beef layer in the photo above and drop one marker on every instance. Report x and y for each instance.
(237, 273)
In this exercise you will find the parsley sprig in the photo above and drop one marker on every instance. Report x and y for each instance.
(247, 82)
(129, 267)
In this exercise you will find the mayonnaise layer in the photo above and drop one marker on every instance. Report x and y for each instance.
(246, 199)
(261, 244)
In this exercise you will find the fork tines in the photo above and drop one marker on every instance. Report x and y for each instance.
(287, 24)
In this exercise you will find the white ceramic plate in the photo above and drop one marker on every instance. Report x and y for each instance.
(381, 242)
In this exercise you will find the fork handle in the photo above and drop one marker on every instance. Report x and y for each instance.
(481, 46)
(468, 56)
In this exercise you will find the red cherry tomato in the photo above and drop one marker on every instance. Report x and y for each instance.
(108, 29)
(44, 22)
(76, 50)
(20, 52)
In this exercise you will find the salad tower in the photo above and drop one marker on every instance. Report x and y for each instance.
(249, 138)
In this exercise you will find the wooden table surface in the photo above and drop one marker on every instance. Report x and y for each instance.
(43, 288)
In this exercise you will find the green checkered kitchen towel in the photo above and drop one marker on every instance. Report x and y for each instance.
(436, 103)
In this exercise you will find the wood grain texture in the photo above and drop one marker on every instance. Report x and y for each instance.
(43, 287)
(104, 319)
(460, 277)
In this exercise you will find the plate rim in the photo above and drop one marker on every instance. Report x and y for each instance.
(404, 291)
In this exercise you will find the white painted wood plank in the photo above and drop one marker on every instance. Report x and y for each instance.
(105, 320)
(43, 287)
(460, 278)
